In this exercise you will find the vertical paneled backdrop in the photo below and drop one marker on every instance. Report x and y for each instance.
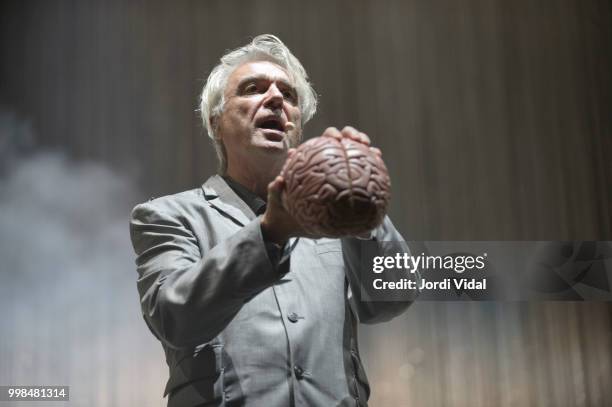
(494, 118)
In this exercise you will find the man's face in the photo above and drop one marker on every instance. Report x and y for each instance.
(260, 101)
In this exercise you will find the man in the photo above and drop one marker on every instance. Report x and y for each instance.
(250, 311)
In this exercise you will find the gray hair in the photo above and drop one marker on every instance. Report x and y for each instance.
(266, 47)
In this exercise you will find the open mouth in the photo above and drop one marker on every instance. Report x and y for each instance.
(273, 128)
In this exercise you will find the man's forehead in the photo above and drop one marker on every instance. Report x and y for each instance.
(259, 70)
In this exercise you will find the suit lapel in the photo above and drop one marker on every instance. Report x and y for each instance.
(221, 197)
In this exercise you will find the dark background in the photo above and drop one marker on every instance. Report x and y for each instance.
(494, 118)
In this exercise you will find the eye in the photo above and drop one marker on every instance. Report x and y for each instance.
(290, 95)
(250, 88)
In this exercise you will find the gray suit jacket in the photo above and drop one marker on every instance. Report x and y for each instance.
(239, 329)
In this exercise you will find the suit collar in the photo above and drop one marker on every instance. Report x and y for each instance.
(257, 205)
(221, 197)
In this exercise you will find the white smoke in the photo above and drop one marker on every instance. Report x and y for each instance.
(68, 293)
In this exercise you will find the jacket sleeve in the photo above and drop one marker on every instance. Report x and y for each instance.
(386, 241)
(189, 297)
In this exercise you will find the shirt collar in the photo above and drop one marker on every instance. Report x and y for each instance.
(257, 205)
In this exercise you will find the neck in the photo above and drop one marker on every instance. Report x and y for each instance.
(254, 178)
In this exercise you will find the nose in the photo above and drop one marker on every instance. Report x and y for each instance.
(274, 97)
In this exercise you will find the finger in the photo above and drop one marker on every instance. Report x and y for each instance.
(271, 191)
(351, 132)
(354, 134)
(332, 132)
(363, 138)
(376, 151)
(275, 188)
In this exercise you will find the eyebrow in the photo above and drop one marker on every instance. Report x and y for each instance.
(254, 78)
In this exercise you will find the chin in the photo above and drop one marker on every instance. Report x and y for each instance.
(273, 146)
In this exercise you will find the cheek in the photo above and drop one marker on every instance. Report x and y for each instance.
(235, 116)
(240, 113)
(296, 117)
(297, 113)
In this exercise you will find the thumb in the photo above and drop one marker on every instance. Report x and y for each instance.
(275, 189)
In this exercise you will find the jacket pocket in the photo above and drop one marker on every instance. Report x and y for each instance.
(329, 252)
(328, 245)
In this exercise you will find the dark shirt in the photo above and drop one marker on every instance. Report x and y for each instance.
(257, 205)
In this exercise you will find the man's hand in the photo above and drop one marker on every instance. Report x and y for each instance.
(351, 133)
(277, 224)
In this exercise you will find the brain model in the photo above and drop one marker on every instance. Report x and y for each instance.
(336, 187)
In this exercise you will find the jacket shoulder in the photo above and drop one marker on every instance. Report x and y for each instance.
(177, 204)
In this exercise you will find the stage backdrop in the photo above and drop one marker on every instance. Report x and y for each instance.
(493, 117)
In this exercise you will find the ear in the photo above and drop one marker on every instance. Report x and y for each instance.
(214, 124)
